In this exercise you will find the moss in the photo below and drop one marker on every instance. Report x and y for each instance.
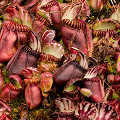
(111, 65)
(15, 114)
(15, 104)
(40, 114)
(103, 14)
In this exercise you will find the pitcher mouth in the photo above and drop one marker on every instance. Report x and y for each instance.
(49, 4)
(76, 24)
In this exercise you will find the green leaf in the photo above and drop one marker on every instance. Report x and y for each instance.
(112, 40)
(70, 88)
(118, 31)
(115, 96)
(61, 1)
(61, 42)
(92, 17)
(1, 16)
(86, 92)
